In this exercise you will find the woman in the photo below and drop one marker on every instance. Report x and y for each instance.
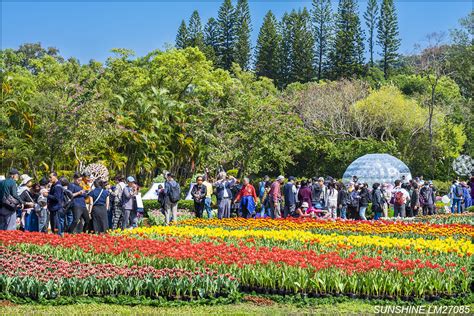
(415, 199)
(302, 211)
(332, 196)
(198, 193)
(29, 217)
(354, 201)
(342, 199)
(100, 204)
(248, 199)
(377, 201)
(387, 196)
(363, 200)
(305, 193)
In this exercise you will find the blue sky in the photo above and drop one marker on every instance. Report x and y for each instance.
(89, 29)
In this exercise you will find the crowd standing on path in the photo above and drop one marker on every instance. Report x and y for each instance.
(83, 205)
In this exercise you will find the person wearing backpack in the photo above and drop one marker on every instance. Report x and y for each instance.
(9, 201)
(172, 196)
(457, 195)
(100, 205)
(427, 199)
(400, 197)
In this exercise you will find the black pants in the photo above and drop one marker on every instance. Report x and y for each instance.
(199, 208)
(79, 213)
(100, 221)
(353, 212)
(428, 210)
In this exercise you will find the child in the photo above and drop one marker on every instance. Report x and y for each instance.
(41, 210)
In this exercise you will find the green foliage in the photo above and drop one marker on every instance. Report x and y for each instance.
(182, 38)
(371, 19)
(227, 34)
(388, 35)
(243, 26)
(322, 21)
(267, 50)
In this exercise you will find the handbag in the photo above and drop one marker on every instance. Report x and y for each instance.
(10, 202)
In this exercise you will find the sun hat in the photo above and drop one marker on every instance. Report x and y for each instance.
(304, 205)
(25, 179)
(130, 179)
(280, 178)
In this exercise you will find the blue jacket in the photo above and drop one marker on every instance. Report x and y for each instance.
(56, 198)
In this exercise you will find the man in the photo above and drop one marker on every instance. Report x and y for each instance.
(224, 194)
(129, 210)
(117, 201)
(457, 195)
(275, 197)
(319, 193)
(9, 201)
(248, 198)
(172, 196)
(68, 203)
(427, 199)
(400, 198)
(208, 200)
(79, 209)
(289, 192)
(261, 192)
(199, 193)
(55, 204)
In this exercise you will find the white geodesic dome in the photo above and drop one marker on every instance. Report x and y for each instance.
(381, 168)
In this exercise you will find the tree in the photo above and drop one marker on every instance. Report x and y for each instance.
(302, 66)
(182, 38)
(227, 34)
(388, 35)
(370, 16)
(347, 56)
(286, 50)
(267, 50)
(195, 35)
(243, 28)
(323, 30)
(211, 39)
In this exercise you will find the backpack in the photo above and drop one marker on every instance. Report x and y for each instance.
(174, 193)
(458, 191)
(67, 200)
(399, 198)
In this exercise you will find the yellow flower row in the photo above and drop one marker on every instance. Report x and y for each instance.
(461, 246)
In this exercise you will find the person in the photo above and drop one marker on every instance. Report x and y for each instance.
(116, 200)
(41, 210)
(275, 197)
(301, 211)
(248, 199)
(25, 179)
(223, 193)
(160, 192)
(30, 196)
(208, 201)
(378, 201)
(471, 185)
(100, 204)
(467, 196)
(343, 200)
(408, 210)
(25, 185)
(266, 209)
(261, 193)
(387, 196)
(427, 199)
(305, 193)
(172, 197)
(353, 207)
(318, 193)
(332, 197)
(399, 197)
(289, 193)
(415, 199)
(235, 189)
(198, 193)
(85, 184)
(67, 204)
(128, 205)
(363, 200)
(79, 209)
(55, 204)
(456, 196)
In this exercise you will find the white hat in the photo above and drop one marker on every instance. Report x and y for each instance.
(304, 205)
(280, 178)
(25, 179)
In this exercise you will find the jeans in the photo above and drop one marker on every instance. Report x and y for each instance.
(207, 207)
(343, 212)
(275, 209)
(399, 210)
(57, 219)
(80, 213)
(362, 210)
(69, 218)
(129, 219)
(171, 208)
(377, 215)
(456, 206)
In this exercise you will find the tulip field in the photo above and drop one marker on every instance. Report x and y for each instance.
(229, 258)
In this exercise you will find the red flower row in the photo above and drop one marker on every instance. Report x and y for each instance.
(211, 253)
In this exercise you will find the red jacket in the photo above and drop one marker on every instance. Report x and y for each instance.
(247, 190)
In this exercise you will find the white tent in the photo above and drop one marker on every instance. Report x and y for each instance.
(152, 194)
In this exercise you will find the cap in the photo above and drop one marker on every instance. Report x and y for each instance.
(280, 178)
(76, 176)
(320, 179)
(25, 179)
(130, 179)
(86, 174)
(304, 204)
(291, 178)
(13, 171)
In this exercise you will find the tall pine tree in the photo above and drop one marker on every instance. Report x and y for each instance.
(302, 66)
(388, 35)
(195, 35)
(182, 36)
(347, 56)
(243, 28)
(226, 34)
(370, 16)
(211, 39)
(323, 31)
(267, 50)
(286, 50)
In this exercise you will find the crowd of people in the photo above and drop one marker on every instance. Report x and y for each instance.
(84, 205)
